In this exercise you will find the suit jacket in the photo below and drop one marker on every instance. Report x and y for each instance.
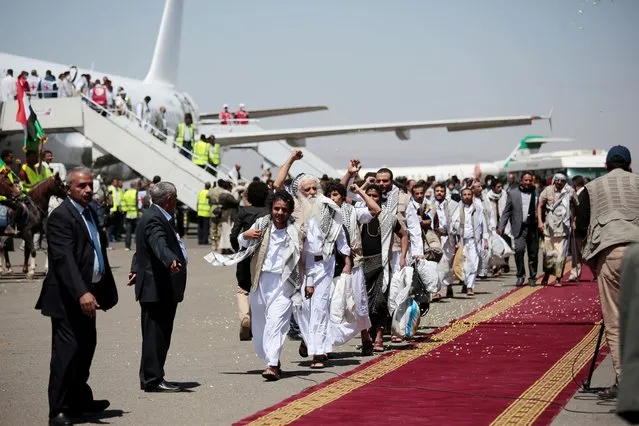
(71, 256)
(582, 216)
(513, 212)
(156, 248)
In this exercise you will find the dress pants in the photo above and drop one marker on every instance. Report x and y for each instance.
(73, 345)
(157, 326)
(203, 230)
(528, 239)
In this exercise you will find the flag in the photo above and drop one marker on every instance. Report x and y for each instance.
(34, 136)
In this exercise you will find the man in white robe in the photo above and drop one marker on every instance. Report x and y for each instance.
(275, 243)
(471, 229)
(444, 210)
(322, 222)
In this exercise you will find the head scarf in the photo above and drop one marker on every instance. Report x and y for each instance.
(297, 180)
(558, 177)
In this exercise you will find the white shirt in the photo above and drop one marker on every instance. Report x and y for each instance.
(468, 231)
(414, 229)
(274, 259)
(7, 88)
(96, 262)
(525, 205)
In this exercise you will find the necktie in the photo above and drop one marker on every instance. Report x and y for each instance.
(95, 237)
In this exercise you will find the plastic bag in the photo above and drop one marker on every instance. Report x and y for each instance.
(403, 309)
(500, 247)
(429, 275)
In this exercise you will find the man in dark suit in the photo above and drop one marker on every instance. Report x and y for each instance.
(580, 226)
(520, 210)
(158, 271)
(79, 282)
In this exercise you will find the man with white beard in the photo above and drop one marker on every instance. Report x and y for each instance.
(443, 210)
(321, 219)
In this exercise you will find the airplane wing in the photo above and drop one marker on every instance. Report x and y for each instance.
(273, 112)
(402, 130)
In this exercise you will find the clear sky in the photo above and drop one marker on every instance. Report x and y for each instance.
(373, 61)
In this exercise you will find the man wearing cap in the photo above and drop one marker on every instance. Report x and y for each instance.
(613, 219)
(241, 116)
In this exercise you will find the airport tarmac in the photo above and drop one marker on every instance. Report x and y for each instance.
(205, 350)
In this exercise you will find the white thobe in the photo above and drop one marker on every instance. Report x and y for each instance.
(8, 88)
(313, 316)
(445, 267)
(270, 308)
(473, 236)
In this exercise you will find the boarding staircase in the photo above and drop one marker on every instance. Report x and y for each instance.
(123, 137)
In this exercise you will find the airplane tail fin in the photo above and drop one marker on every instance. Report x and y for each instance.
(531, 145)
(166, 56)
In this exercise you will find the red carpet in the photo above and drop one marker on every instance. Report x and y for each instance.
(533, 343)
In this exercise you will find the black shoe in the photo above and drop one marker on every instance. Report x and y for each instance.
(532, 282)
(60, 419)
(520, 282)
(163, 386)
(95, 406)
(464, 288)
(303, 350)
(505, 269)
(609, 393)
(449, 292)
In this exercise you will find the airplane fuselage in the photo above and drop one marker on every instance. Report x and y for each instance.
(73, 148)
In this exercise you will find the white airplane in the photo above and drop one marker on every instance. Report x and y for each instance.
(527, 147)
(160, 84)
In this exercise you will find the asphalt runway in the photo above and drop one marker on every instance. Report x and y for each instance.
(205, 352)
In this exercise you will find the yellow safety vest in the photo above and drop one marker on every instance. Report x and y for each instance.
(113, 190)
(203, 206)
(179, 138)
(201, 152)
(130, 203)
(9, 176)
(215, 156)
(33, 176)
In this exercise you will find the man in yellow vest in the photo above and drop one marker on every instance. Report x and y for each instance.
(130, 211)
(29, 173)
(203, 215)
(201, 152)
(215, 155)
(185, 135)
(6, 163)
(115, 212)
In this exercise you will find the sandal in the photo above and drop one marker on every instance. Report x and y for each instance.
(378, 346)
(396, 339)
(271, 374)
(318, 362)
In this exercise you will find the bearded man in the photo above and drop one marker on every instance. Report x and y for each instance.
(322, 221)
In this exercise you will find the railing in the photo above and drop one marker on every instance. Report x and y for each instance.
(156, 132)
(230, 121)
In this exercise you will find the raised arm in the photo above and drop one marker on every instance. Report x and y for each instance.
(373, 207)
(286, 167)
